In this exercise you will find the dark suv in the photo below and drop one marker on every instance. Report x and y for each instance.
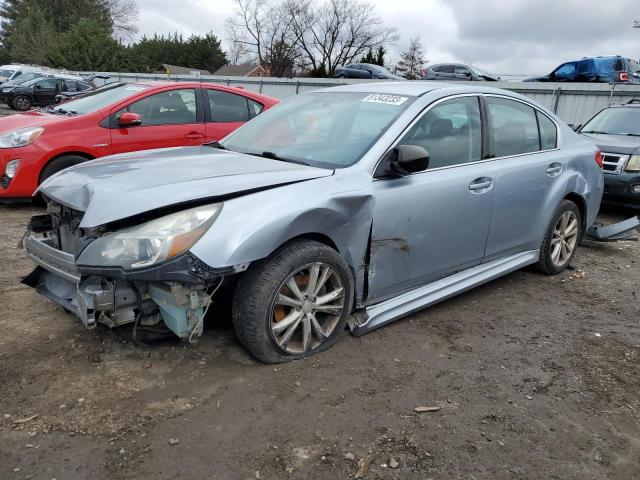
(39, 92)
(615, 69)
(616, 131)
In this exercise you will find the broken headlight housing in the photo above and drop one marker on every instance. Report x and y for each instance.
(633, 165)
(151, 242)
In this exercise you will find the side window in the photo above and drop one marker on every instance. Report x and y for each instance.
(451, 132)
(446, 69)
(167, 108)
(548, 132)
(48, 83)
(255, 108)
(566, 70)
(69, 86)
(514, 127)
(459, 70)
(227, 107)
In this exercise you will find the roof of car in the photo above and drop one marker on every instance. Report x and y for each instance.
(414, 89)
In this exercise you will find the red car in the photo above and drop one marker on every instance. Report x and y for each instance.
(117, 118)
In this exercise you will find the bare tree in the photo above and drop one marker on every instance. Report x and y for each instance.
(336, 32)
(261, 32)
(124, 16)
(411, 60)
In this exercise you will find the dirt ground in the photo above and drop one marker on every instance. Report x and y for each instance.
(535, 377)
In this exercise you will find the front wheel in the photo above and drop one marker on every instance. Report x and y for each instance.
(22, 103)
(294, 304)
(561, 240)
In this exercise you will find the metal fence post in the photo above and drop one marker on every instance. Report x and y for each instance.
(613, 87)
(260, 88)
(556, 99)
(297, 87)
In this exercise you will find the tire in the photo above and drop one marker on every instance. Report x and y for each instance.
(262, 323)
(60, 163)
(342, 76)
(554, 257)
(22, 103)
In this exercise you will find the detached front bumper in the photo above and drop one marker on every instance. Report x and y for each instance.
(57, 278)
(97, 297)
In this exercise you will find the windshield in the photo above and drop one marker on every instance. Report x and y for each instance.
(323, 129)
(481, 73)
(615, 121)
(108, 95)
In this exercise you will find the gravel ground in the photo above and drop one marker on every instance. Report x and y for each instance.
(534, 377)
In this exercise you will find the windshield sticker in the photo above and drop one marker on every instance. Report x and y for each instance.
(386, 99)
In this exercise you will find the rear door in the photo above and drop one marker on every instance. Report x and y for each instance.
(170, 118)
(45, 91)
(226, 111)
(531, 175)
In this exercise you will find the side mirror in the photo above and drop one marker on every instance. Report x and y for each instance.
(129, 119)
(403, 160)
(370, 70)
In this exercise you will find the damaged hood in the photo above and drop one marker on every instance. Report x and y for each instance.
(120, 186)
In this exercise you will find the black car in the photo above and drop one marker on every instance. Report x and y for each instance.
(39, 92)
(365, 70)
(616, 132)
(457, 71)
(95, 80)
(611, 69)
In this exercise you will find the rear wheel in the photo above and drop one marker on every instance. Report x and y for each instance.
(561, 240)
(22, 103)
(294, 304)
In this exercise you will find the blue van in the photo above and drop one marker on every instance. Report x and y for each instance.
(612, 69)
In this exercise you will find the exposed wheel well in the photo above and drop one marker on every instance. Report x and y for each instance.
(318, 237)
(582, 207)
(79, 154)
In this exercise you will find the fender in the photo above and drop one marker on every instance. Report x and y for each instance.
(252, 227)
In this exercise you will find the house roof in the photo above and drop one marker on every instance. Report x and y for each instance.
(178, 70)
(237, 70)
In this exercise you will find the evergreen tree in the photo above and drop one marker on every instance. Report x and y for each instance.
(411, 60)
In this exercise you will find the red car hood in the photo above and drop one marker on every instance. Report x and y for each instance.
(29, 119)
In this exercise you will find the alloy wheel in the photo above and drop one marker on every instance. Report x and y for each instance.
(307, 308)
(564, 239)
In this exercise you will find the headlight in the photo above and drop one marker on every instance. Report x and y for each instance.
(11, 167)
(20, 137)
(633, 165)
(151, 242)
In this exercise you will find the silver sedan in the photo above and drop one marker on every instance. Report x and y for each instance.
(346, 208)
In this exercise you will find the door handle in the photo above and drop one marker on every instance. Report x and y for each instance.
(193, 136)
(554, 169)
(481, 185)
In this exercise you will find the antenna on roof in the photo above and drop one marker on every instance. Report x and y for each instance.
(636, 24)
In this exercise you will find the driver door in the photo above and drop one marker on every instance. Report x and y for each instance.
(170, 118)
(45, 91)
(432, 224)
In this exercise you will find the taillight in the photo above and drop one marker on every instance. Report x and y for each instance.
(598, 158)
(624, 77)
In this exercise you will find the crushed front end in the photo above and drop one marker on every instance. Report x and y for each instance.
(175, 291)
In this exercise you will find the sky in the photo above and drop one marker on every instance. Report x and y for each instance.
(501, 36)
